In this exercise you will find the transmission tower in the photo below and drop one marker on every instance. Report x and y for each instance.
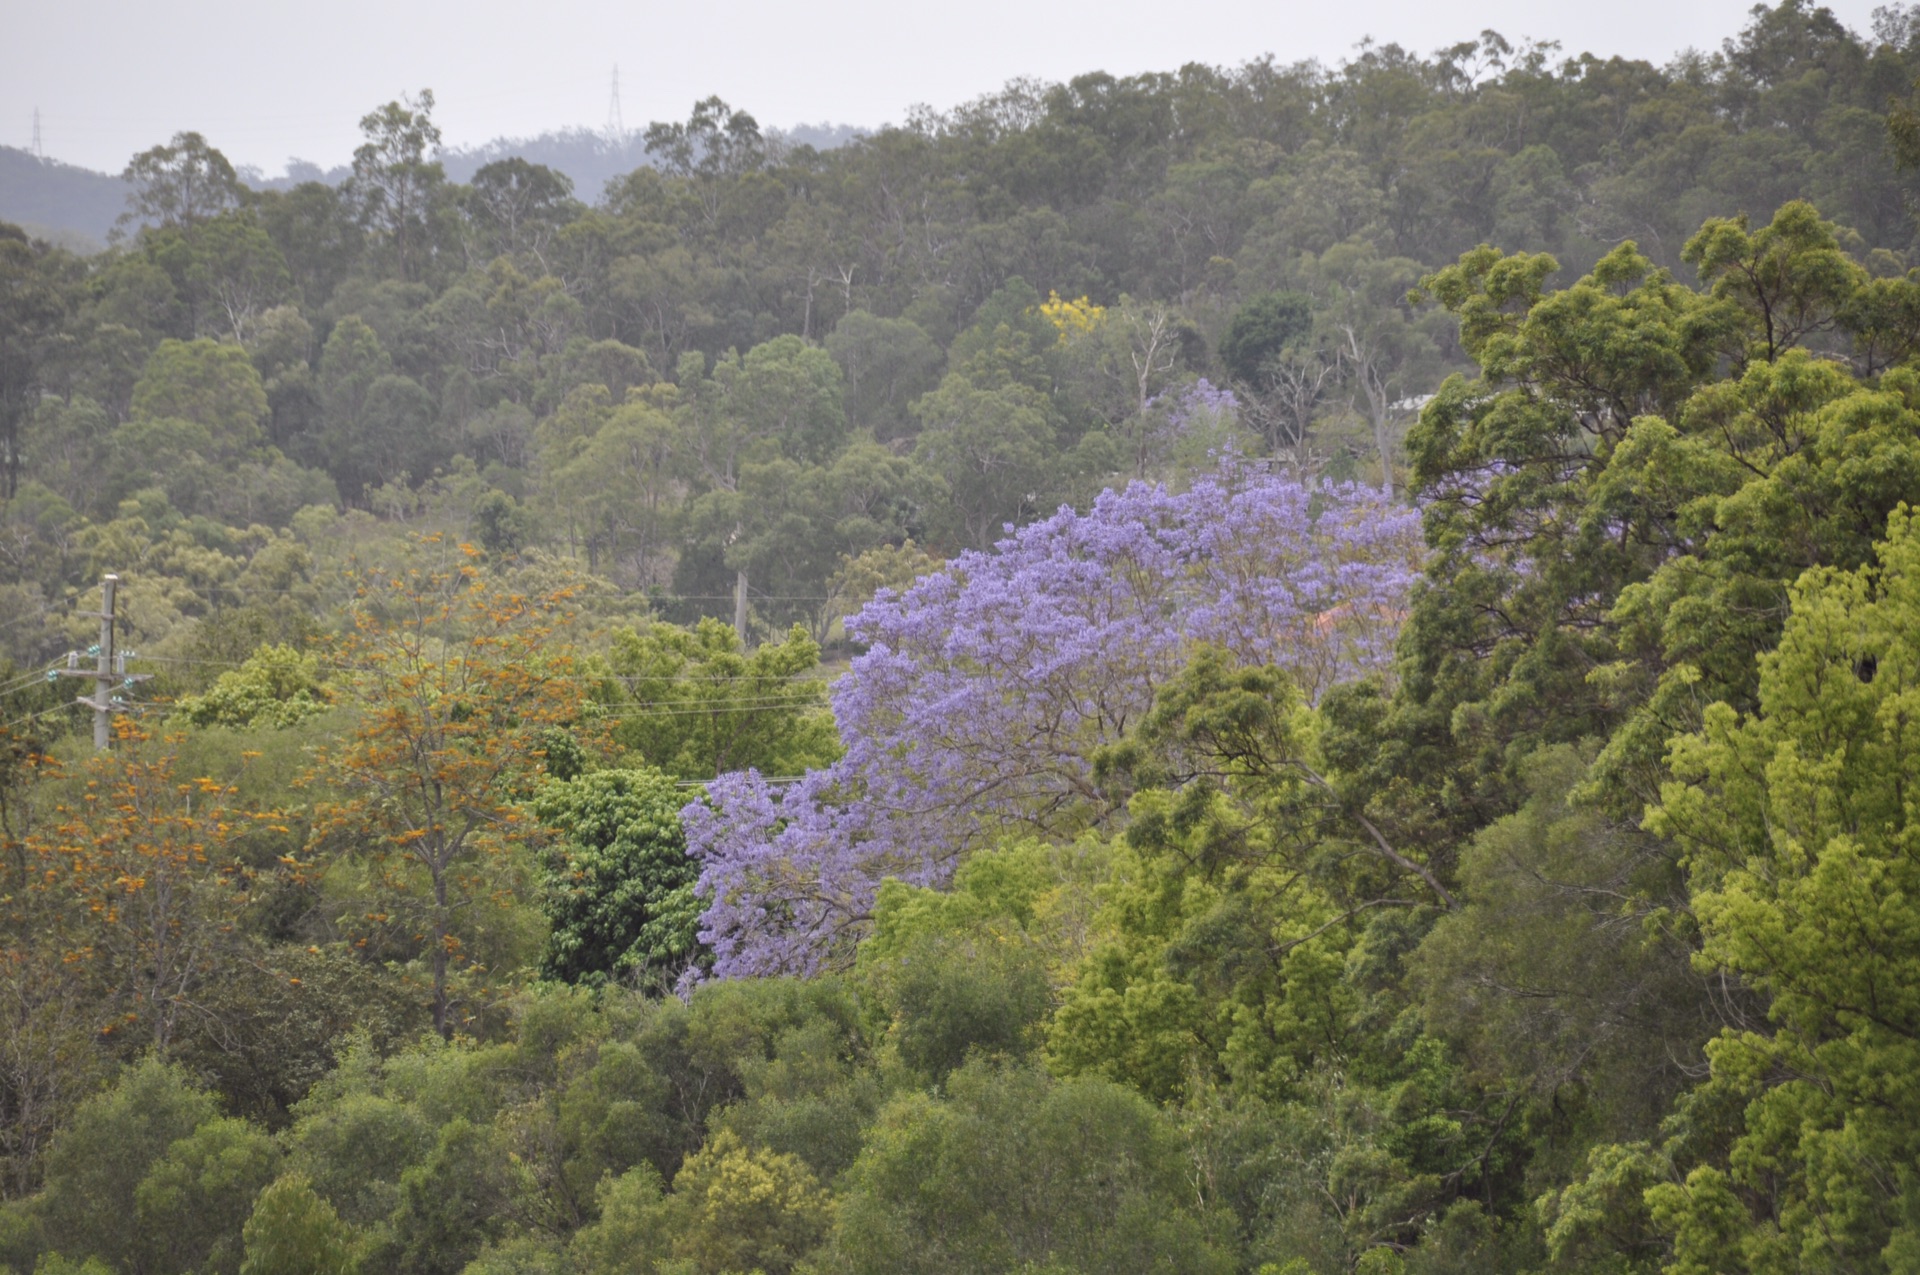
(39, 152)
(616, 127)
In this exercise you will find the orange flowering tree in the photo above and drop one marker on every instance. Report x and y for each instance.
(460, 682)
(48, 1059)
(138, 878)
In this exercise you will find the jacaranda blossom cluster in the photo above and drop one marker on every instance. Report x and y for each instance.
(987, 686)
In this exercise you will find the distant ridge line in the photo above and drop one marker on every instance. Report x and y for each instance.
(76, 207)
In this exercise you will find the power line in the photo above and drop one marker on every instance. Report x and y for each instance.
(625, 679)
(651, 598)
(777, 780)
(695, 679)
(30, 716)
(707, 706)
(643, 714)
(766, 701)
(317, 590)
(20, 681)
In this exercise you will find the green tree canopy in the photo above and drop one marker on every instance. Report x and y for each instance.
(619, 885)
(1261, 329)
(212, 385)
(1799, 844)
(695, 703)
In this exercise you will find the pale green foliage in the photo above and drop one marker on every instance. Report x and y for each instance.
(525, 1255)
(278, 686)
(782, 399)
(887, 363)
(240, 271)
(213, 385)
(612, 473)
(292, 1231)
(54, 1264)
(1602, 1216)
(1012, 1169)
(352, 1138)
(788, 524)
(192, 1205)
(813, 1097)
(734, 1208)
(990, 439)
(180, 183)
(1790, 276)
(862, 575)
(627, 1237)
(98, 1163)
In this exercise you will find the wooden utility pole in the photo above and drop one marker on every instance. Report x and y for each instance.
(109, 667)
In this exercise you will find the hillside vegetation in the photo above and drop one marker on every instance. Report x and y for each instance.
(1288, 670)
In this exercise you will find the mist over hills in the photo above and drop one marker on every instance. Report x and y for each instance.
(62, 203)
(76, 207)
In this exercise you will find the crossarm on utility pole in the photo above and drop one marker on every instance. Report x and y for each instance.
(106, 670)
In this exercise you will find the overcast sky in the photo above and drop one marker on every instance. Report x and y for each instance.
(266, 81)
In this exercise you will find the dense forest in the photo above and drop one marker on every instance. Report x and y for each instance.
(1286, 669)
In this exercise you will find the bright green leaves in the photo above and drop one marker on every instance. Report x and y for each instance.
(1792, 466)
(1800, 831)
(1617, 533)
(1243, 886)
(1626, 341)
(737, 1208)
(1529, 555)
(1800, 818)
(1615, 528)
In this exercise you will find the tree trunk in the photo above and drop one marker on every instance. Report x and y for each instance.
(439, 955)
(740, 607)
(1383, 442)
(1366, 366)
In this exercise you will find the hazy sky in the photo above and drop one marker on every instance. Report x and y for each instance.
(268, 81)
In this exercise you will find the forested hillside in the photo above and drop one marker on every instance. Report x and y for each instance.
(68, 205)
(1284, 669)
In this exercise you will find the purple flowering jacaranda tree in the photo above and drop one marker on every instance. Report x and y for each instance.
(987, 686)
